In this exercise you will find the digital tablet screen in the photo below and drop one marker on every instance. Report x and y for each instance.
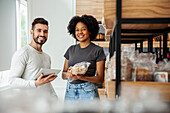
(47, 72)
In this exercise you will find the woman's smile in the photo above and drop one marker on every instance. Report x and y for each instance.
(82, 32)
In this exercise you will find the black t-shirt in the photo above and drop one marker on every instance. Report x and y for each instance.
(92, 53)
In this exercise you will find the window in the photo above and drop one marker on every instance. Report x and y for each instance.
(22, 34)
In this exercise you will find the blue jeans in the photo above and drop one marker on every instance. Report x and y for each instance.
(76, 93)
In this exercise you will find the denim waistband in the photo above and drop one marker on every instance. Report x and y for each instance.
(82, 85)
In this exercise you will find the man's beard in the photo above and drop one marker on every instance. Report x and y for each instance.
(36, 39)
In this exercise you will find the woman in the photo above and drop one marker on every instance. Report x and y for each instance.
(83, 87)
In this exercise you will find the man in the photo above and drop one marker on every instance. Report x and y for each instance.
(29, 60)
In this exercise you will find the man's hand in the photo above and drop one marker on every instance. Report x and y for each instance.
(41, 80)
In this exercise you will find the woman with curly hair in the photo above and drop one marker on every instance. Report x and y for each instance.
(83, 87)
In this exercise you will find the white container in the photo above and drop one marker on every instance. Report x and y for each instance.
(161, 76)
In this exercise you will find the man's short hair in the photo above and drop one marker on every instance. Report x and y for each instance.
(39, 21)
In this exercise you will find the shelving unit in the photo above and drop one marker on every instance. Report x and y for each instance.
(131, 21)
(127, 17)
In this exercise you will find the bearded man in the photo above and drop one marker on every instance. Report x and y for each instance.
(29, 60)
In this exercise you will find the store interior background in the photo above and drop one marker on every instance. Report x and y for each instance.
(58, 13)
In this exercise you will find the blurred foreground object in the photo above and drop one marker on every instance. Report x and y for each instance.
(37, 101)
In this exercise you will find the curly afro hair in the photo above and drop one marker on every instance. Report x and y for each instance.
(89, 21)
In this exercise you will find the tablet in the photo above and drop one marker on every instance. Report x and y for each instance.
(47, 72)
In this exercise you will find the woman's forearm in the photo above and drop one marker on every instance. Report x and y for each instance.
(93, 79)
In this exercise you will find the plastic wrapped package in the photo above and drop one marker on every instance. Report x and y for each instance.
(164, 66)
(128, 48)
(126, 67)
(134, 66)
(143, 67)
(80, 68)
(111, 69)
(139, 74)
(133, 55)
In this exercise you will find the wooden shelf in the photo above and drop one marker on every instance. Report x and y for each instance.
(156, 44)
(101, 43)
(137, 9)
(145, 44)
(135, 88)
(90, 7)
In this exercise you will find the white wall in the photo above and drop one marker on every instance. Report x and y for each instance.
(58, 13)
(8, 32)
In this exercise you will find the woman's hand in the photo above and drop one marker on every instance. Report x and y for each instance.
(79, 76)
(70, 75)
(69, 69)
(75, 76)
(41, 80)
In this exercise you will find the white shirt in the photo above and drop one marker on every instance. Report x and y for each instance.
(25, 65)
